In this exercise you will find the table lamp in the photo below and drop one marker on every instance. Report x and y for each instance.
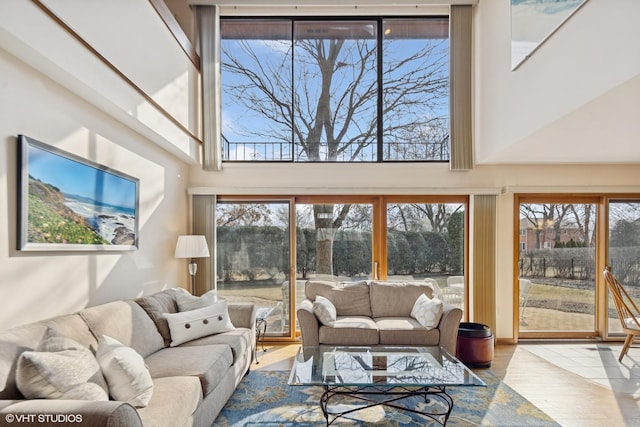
(192, 247)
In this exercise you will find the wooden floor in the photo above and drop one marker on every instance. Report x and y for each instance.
(577, 384)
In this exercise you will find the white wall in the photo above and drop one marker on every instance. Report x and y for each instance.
(33, 285)
(140, 75)
(575, 100)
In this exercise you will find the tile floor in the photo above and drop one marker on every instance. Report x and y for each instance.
(579, 384)
(597, 362)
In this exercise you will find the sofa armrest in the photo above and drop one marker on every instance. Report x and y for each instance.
(242, 314)
(52, 412)
(308, 323)
(449, 323)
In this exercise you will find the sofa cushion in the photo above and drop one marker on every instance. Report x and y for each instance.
(209, 363)
(156, 305)
(240, 341)
(389, 299)
(127, 375)
(350, 330)
(73, 326)
(127, 322)
(427, 311)
(324, 310)
(60, 368)
(173, 402)
(405, 331)
(189, 325)
(350, 299)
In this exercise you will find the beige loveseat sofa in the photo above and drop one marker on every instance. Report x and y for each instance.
(375, 312)
(191, 381)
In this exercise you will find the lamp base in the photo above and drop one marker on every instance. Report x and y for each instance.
(193, 268)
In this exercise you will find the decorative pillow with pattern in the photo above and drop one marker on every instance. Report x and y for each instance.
(189, 325)
(60, 368)
(127, 375)
(427, 311)
(324, 310)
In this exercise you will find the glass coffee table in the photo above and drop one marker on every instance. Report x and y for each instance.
(380, 375)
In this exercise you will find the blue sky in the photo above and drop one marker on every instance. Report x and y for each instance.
(73, 177)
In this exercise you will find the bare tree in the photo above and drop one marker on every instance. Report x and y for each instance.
(542, 217)
(411, 216)
(584, 217)
(327, 101)
(239, 214)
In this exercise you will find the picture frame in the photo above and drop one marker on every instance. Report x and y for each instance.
(68, 203)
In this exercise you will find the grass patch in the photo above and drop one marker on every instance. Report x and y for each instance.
(560, 293)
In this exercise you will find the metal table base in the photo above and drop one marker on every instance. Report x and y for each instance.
(390, 395)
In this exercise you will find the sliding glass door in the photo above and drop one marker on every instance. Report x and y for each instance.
(253, 257)
(557, 266)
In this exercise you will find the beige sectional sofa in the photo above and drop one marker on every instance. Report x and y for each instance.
(191, 381)
(375, 313)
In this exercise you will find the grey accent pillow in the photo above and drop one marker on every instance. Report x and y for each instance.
(60, 368)
(156, 305)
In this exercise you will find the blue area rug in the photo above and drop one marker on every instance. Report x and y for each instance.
(263, 398)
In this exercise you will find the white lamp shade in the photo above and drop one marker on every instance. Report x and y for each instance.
(192, 247)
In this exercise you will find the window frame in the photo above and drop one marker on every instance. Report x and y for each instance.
(380, 143)
(554, 198)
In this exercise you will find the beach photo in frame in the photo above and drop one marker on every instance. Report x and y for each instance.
(67, 203)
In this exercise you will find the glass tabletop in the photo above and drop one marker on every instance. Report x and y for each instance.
(380, 365)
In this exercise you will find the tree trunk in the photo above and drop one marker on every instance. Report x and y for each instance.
(325, 233)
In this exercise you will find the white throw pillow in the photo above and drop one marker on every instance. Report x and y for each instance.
(427, 311)
(60, 368)
(324, 310)
(188, 302)
(127, 375)
(189, 325)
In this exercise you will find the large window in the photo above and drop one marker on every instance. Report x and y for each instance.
(336, 90)
(336, 238)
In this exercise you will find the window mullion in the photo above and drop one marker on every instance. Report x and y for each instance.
(380, 93)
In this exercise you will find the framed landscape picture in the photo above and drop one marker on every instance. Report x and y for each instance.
(67, 203)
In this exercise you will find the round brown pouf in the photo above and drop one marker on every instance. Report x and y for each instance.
(475, 344)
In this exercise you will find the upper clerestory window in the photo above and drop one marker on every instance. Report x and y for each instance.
(335, 90)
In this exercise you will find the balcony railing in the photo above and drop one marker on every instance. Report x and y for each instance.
(288, 152)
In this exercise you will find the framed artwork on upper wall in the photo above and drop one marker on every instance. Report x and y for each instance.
(67, 203)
